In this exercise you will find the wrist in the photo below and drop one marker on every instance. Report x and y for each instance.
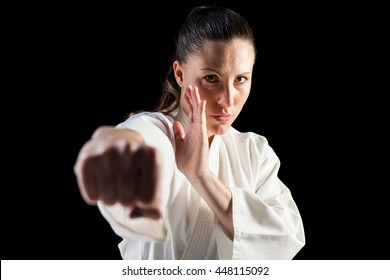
(201, 178)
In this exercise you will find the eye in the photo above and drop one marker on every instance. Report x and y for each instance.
(211, 78)
(241, 79)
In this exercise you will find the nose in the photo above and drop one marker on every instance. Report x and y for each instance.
(226, 96)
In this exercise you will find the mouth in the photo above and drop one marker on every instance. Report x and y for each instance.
(222, 117)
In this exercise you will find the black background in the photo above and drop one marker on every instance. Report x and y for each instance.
(315, 96)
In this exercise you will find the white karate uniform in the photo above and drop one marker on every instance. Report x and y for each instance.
(267, 223)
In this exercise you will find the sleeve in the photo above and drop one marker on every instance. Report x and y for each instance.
(267, 223)
(155, 132)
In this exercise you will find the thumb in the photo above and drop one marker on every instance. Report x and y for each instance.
(178, 131)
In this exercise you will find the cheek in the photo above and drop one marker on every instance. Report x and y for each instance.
(241, 98)
(206, 96)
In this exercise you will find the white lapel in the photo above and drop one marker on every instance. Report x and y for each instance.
(202, 231)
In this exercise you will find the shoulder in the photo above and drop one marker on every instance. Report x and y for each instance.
(251, 147)
(151, 125)
(149, 120)
(247, 140)
(147, 117)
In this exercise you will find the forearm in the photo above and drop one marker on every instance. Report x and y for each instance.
(112, 132)
(218, 197)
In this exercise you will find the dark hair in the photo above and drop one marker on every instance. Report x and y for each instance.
(202, 24)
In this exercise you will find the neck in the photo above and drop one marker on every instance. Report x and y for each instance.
(211, 139)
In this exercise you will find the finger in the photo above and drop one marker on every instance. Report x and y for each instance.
(178, 131)
(105, 171)
(87, 182)
(192, 96)
(148, 199)
(115, 167)
(202, 106)
(149, 176)
(129, 183)
(196, 95)
(188, 101)
(198, 102)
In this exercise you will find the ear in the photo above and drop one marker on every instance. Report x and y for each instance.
(178, 71)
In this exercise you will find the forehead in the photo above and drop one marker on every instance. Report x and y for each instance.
(221, 54)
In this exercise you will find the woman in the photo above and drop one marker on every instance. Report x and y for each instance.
(181, 182)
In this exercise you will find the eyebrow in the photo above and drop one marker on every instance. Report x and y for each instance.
(219, 73)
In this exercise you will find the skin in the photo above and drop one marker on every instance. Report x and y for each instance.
(215, 86)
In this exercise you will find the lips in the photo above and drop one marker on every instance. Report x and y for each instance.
(222, 117)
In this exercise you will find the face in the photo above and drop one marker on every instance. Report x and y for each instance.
(222, 71)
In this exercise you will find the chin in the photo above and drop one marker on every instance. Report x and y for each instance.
(218, 129)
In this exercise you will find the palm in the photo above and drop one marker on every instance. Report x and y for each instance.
(192, 144)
